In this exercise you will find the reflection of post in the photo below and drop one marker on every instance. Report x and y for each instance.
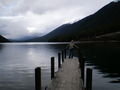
(59, 60)
(52, 67)
(89, 79)
(38, 78)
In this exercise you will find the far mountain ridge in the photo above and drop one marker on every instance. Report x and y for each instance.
(2, 39)
(104, 21)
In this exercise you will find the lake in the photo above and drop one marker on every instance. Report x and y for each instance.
(18, 61)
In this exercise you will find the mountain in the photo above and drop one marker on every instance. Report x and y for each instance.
(57, 32)
(2, 39)
(104, 21)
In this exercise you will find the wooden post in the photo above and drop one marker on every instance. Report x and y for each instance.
(80, 63)
(79, 57)
(59, 60)
(65, 53)
(46, 88)
(82, 68)
(38, 78)
(52, 67)
(62, 56)
(89, 79)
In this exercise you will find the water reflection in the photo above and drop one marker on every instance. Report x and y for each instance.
(106, 58)
(1, 46)
(18, 62)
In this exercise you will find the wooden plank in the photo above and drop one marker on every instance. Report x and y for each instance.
(68, 77)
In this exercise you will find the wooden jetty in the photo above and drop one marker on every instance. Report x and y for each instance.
(68, 77)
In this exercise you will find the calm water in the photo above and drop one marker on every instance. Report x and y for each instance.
(18, 61)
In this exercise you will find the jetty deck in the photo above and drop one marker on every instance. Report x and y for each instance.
(68, 77)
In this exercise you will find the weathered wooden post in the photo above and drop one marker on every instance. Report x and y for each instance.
(62, 56)
(38, 78)
(81, 64)
(46, 88)
(59, 60)
(82, 68)
(89, 79)
(52, 67)
(79, 57)
(65, 53)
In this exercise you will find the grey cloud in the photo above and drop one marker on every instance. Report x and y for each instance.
(12, 30)
(44, 15)
(42, 6)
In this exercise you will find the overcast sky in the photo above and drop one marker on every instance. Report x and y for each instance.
(20, 18)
